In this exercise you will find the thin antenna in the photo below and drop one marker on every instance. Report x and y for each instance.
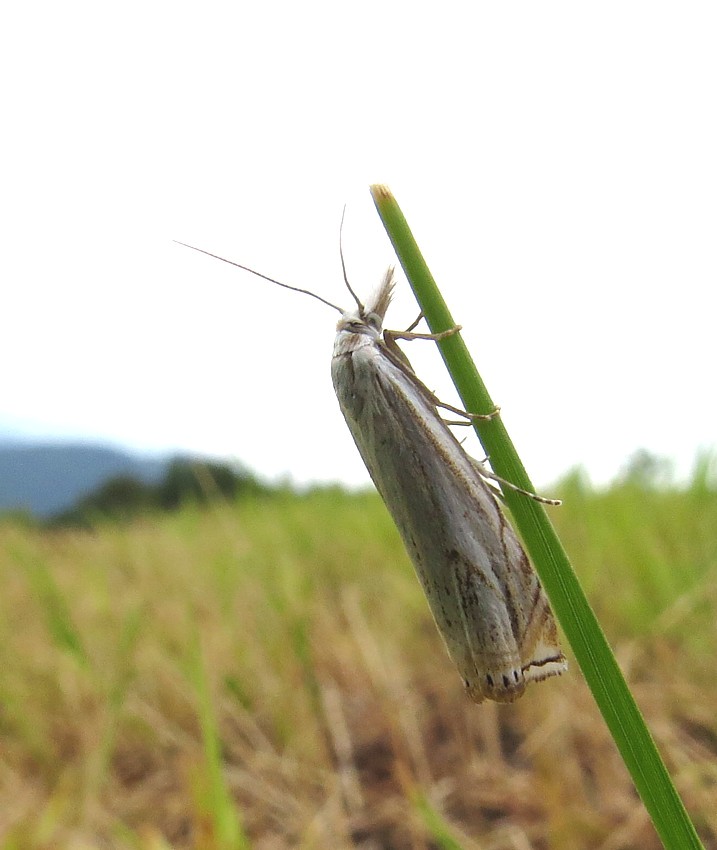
(343, 264)
(266, 277)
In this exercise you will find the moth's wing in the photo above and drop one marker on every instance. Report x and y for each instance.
(467, 557)
(533, 623)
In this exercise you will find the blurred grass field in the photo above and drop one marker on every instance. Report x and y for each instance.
(266, 674)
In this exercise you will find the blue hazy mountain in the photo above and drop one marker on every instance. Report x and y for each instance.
(47, 478)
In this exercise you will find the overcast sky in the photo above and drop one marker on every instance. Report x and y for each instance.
(556, 162)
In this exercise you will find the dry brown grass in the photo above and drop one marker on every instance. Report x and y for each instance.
(338, 719)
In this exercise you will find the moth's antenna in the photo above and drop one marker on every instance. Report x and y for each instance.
(266, 277)
(343, 264)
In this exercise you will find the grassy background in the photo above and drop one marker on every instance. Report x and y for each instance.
(266, 674)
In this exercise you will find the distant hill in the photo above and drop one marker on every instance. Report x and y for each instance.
(45, 479)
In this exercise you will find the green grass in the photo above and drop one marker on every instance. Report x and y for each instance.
(266, 674)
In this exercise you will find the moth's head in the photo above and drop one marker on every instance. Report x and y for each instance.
(368, 318)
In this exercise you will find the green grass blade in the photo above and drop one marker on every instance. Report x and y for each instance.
(440, 831)
(576, 617)
(65, 634)
(227, 829)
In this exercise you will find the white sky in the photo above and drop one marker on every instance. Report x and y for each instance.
(556, 161)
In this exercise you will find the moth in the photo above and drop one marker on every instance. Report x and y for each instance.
(485, 597)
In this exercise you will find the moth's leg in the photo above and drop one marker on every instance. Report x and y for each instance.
(415, 324)
(390, 337)
(389, 340)
(409, 335)
(470, 416)
(486, 473)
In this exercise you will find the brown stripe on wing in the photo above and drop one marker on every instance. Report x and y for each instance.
(539, 647)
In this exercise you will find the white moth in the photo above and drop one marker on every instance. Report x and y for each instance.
(485, 597)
